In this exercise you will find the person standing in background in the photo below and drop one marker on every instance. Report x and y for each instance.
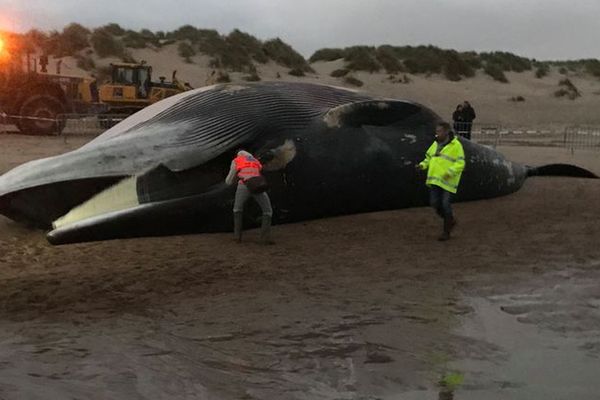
(468, 115)
(457, 118)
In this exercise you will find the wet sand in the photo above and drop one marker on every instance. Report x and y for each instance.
(360, 307)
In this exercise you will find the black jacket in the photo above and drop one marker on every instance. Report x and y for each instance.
(457, 116)
(468, 114)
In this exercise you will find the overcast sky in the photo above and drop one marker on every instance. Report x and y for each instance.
(543, 29)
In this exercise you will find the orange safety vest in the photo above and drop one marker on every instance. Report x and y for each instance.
(247, 167)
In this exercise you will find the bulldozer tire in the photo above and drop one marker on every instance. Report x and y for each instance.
(48, 110)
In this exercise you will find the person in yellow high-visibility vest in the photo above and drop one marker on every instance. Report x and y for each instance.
(444, 162)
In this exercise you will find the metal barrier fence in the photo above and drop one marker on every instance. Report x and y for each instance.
(572, 137)
(582, 137)
(72, 124)
(89, 124)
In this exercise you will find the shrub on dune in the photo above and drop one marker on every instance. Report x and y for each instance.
(186, 51)
(567, 89)
(495, 72)
(351, 80)
(105, 44)
(326, 55)
(542, 70)
(338, 73)
(296, 72)
(362, 58)
(282, 53)
(387, 58)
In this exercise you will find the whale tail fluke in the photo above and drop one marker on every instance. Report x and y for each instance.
(561, 170)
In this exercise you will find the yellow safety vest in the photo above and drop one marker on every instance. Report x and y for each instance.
(445, 169)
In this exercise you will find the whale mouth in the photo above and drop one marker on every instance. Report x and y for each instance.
(190, 214)
(134, 193)
(118, 197)
(39, 206)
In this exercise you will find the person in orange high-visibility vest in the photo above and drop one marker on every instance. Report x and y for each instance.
(243, 167)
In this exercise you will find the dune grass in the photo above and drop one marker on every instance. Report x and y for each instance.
(240, 52)
(567, 89)
(496, 72)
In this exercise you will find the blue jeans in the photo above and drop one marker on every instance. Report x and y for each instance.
(441, 201)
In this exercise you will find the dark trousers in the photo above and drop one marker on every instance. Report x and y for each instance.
(467, 128)
(441, 201)
(463, 128)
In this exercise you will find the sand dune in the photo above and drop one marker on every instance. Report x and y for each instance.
(491, 99)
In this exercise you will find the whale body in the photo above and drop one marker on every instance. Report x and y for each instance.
(326, 151)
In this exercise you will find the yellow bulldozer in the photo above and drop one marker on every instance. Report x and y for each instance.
(131, 88)
(37, 101)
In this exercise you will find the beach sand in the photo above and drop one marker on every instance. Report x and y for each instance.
(366, 306)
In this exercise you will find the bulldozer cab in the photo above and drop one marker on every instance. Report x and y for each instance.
(137, 75)
(131, 87)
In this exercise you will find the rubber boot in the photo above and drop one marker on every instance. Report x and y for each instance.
(238, 224)
(447, 227)
(453, 223)
(265, 230)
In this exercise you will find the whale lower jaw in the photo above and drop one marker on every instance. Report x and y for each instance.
(189, 214)
(94, 228)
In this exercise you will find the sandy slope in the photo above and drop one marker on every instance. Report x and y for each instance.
(491, 99)
(541, 110)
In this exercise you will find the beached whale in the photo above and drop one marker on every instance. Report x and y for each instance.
(327, 151)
